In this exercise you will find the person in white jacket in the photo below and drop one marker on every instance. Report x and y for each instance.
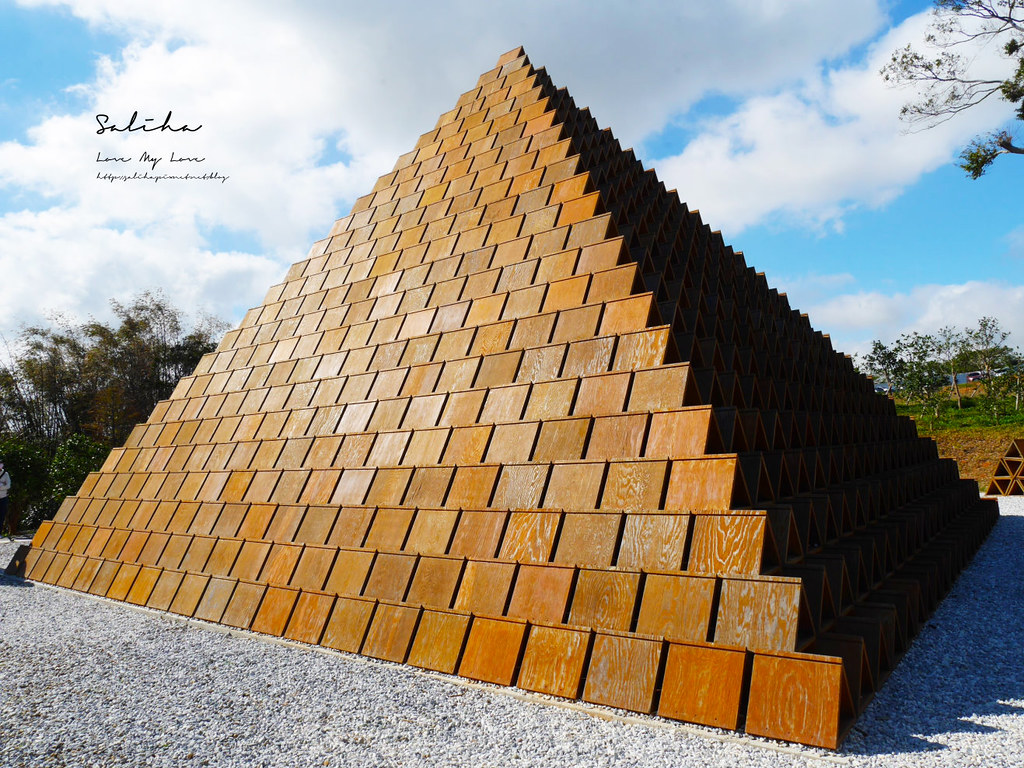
(5, 486)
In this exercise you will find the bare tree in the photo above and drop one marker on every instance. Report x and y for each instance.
(943, 72)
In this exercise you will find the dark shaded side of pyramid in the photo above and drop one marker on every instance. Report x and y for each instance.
(1008, 478)
(524, 418)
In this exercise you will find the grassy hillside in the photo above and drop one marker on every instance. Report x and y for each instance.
(968, 434)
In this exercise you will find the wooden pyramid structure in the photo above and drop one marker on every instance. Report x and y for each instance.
(522, 417)
(1008, 479)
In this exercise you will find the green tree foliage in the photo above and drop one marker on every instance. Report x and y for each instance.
(943, 76)
(72, 391)
(921, 378)
(884, 363)
(922, 369)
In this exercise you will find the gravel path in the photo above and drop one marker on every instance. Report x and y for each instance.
(88, 682)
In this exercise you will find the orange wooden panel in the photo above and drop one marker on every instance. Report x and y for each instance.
(428, 487)
(492, 650)
(389, 529)
(797, 698)
(676, 607)
(478, 534)
(121, 584)
(588, 539)
(653, 542)
(244, 603)
(313, 568)
(348, 623)
(433, 584)
(70, 572)
(703, 484)
(438, 641)
(189, 592)
(215, 599)
(250, 560)
(432, 531)
(604, 599)
(553, 661)
(390, 633)
(530, 536)
(727, 544)
(222, 557)
(472, 486)
(634, 485)
(390, 576)
(759, 613)
(351, 526)
(600, 395)
(280, 564)
(309, 619)
(485, 587)
(561, 440)
(86, 574)
(541, 592)
(349, 572)
(143, 586)
(617, 436)
(574, 486)
(623, 672)
(275, 611)
(703, 684)
(285, 523)
(679, 434)
(164, 590)
(520, 486)
(660, 389)
(316, 525)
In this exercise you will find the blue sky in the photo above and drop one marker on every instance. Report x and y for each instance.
(768, 117)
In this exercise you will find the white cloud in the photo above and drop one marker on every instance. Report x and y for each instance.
(273, 84)
(854, 319)
(810, 153)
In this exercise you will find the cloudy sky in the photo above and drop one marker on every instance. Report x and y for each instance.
(769, 116)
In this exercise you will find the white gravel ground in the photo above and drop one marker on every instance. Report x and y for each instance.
(88, 682)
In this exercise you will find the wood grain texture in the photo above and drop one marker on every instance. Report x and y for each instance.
(540, 593)
(390, 633)
(309, 617)
(553, 661)
(604, 599)
(347, 626)
(796, 698)
(759, 613)
(529, 536)
(623, 672)
(275, 611)
(634, 486)
(676, 607)
(485, 587)
(727, 544)
(588, 539)
(389, 577)
(433, 583)
(703, 684)
(244, 602)
(653, 542)
(438, 641)
(478, 534)
(492, 650)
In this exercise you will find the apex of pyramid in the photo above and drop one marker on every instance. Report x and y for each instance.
(510, 56)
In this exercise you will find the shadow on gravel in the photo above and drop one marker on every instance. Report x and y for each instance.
(964, 665)
(8, 554)
(14, 581)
